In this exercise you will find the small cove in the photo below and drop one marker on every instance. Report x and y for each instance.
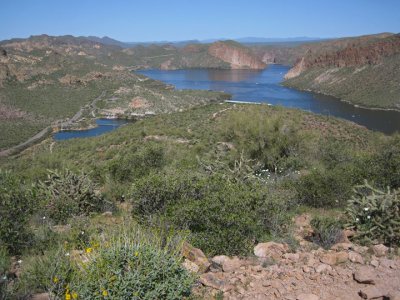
(103, 126)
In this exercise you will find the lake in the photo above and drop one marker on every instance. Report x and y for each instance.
(264, 86)
(103, 126)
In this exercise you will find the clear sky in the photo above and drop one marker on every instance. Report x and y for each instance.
(155, 20)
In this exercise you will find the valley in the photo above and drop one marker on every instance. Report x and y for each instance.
(125, 173)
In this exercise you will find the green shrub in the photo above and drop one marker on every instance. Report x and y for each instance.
(325, 188)
(130, 166)
(132, 264)
(16, 207)
(327, 231)
(68, 194)
(375, 215)
(223, 216)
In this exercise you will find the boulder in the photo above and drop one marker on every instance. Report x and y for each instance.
(334, 258)
(196, 256)
(380, 250)
(216, 281)
(356, 257)
(365, 275)
(270, 250)
(190, 266)
(372, 292)
(294, 257)
(307, 297)
(323, 268)
(227, 264)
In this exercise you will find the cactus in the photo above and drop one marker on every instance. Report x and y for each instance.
(68, 194)
(374, 215)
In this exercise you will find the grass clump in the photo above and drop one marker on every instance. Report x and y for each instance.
(327, 231)
(130, 263)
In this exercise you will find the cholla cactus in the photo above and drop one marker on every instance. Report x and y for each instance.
(375, 214)
(68, 194)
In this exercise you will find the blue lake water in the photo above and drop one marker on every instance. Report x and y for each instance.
(264, 86)
(103, 126)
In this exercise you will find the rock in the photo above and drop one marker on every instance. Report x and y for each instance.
(349, 233)
(306, 269)
(196, 256)
(387, 263)
(374, 263)
(334, 258)
(323, 268)
(232, 264)
(372, 292)
(380, 250)
(294, 257)
(365, 275)
(270, 250)
(356, 258)
(307, 297)
(41, 296)
(216, 281)
(360, 249)
(342, 246)
(394, 296)
(190, 266)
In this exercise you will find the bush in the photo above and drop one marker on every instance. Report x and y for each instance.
(133, 264)
(375, 215)
(223, 216)
(137, 164)
(16, 207)
(4, 265)
(67, 194)
(329, 188)
(327, 231)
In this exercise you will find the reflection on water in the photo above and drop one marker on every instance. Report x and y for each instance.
(233, 75)
(264, 86)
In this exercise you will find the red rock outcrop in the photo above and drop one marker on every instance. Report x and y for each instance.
(238, 56)
(353, 55)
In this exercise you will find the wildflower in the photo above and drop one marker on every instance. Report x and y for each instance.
(357, 219)
(74, 295)
(82, 232)
(136, 253)
(89, 250)
(55, 279)
(67, 254)
(366, 208)
(368, 217)
(104, 293)
(67, 296)
(44, 218)
(20, 261)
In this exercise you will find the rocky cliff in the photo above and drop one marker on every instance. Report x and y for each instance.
(238, 56)
(363, 71)
(351, 56)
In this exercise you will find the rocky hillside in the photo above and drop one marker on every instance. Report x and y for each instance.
(364, 71)
(238, 56)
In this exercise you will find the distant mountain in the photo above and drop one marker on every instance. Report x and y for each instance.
(107, 41)
(253, 40)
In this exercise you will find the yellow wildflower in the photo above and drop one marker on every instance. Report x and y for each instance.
(55, 279)
(67, 296)
(104, 293)
(136, 253)
(74, 295)
(89, 250)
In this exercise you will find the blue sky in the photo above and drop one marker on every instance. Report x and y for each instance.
(150, 20)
